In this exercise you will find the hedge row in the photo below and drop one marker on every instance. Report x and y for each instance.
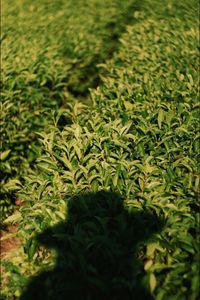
(50, 53)
(138, 140)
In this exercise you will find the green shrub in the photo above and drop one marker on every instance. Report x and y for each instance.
(140, 140)
(48, 58)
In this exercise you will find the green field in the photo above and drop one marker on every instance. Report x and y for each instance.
(100, 141)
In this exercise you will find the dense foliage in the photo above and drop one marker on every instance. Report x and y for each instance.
(134, 136)
(49, 56)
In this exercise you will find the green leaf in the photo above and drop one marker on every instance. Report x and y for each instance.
(4, 155)
(160, 117)
(14, 218)
(32, 249)
(128, 105)
(152, 282)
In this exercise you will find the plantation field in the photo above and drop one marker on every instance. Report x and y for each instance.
(100, 149)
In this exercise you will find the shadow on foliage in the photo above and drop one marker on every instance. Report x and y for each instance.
(97, 252)
(90, 75)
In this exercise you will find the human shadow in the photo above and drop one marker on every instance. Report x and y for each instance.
(97, 252)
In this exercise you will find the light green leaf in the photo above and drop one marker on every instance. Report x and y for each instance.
(128, 105)
(4, 155)
(160, 117)
(152, 282)
(14, 218)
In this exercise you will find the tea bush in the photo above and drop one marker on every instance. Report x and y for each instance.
(138, 138)
(50, 54)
